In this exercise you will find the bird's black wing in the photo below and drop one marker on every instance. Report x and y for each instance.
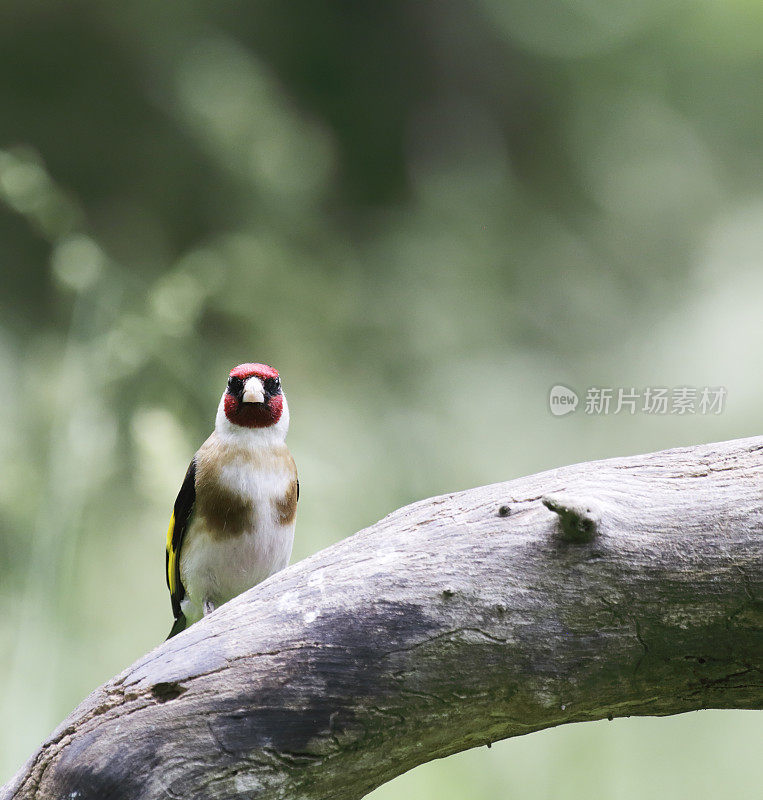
(181, 518)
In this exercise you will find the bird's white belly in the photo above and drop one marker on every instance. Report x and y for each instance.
(215, 569)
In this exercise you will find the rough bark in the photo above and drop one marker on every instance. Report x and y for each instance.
(606, 589)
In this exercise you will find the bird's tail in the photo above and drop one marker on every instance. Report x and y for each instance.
(179, 625)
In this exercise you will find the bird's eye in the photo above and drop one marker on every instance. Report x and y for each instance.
(234, 384)
(272, 385)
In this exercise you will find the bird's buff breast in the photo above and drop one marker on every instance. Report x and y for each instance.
(241, 531)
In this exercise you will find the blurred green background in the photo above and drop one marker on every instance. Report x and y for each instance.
(425, 214)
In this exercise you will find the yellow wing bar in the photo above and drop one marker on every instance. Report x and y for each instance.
(171, 556)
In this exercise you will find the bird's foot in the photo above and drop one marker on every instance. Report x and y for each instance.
(208, 607)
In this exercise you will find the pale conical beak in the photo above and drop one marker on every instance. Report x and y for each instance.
(254, 391)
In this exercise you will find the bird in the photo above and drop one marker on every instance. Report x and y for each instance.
(233, 520)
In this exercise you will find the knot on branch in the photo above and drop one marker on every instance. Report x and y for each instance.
(579, 520)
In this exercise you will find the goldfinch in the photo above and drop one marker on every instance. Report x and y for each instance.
(233, 522)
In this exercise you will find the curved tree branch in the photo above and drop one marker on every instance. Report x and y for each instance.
(620, 587)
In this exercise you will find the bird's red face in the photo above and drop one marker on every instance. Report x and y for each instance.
(253, 398)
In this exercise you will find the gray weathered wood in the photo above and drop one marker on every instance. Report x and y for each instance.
(627, 586)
